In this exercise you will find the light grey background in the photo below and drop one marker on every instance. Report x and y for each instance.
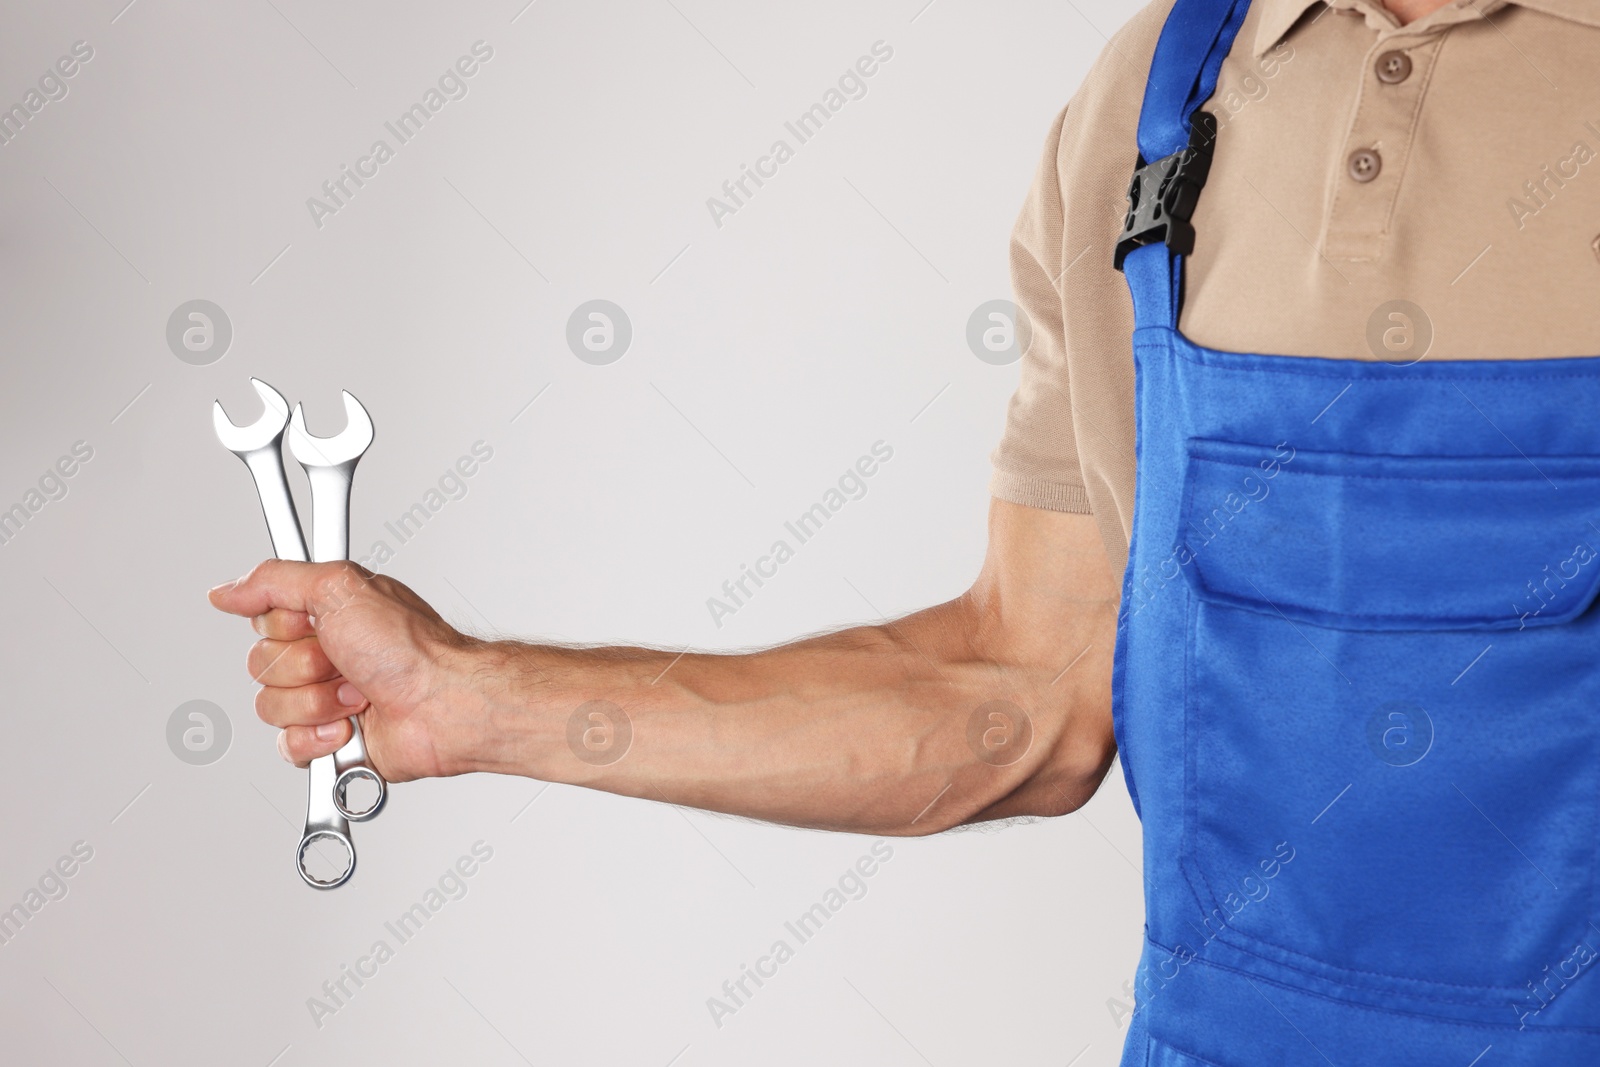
(767, 355)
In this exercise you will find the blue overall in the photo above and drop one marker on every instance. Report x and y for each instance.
(1357, 682)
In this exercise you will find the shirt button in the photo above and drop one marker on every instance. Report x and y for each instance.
(1394, 68)
(1364, 164)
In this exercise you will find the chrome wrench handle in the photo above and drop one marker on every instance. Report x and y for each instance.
(260, 446)
(283, 525)
(330, 504)
(324, 824)
(330, 465)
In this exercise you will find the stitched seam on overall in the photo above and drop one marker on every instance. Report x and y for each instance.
(1191, 786)
(1449, 1020)
(1190, 352)
(1397, 380)
(1325, 613)
(1328, 619)
(1353, 971)
(1119, 665)
(1189, 861)
(1303, 472)
(1180, 1050)
(1189, 842)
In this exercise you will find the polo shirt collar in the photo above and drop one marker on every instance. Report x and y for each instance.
(1278, 17)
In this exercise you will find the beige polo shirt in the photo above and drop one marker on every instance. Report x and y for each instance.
(1453, 164)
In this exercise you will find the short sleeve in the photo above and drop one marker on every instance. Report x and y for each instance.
(1036, 463)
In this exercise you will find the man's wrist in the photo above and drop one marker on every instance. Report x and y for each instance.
(494, 695)
(460, 720)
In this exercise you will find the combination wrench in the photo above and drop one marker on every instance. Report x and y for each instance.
(260, 446)
(330, 464)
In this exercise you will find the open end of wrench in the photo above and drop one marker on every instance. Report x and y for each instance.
(258, 434)
(326, 859)
(344, 447)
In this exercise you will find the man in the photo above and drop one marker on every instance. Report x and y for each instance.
(1351, 667)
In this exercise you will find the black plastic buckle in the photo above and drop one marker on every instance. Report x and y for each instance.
(1162, 195)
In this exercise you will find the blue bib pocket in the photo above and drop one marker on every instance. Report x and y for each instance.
(1391, 677)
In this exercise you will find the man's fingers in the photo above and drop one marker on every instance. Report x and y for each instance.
(315, 588)
(281, 624)
(304, 705)
(302, 744)
(289, 664)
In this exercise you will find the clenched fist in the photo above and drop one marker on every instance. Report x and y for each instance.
(339, 641)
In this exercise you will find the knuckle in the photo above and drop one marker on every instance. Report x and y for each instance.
(304, 702)
(259, 571)
(298, 741)
(283, 707)
(287, 625)
(271, 661)
(337, 584)
(295, 663)
(266, 706)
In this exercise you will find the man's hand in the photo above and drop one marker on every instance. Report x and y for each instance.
(336, 641)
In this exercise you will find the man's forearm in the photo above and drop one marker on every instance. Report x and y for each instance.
(870, 729)
(994, 704)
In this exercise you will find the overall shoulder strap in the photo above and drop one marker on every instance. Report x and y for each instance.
(1175, 142)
